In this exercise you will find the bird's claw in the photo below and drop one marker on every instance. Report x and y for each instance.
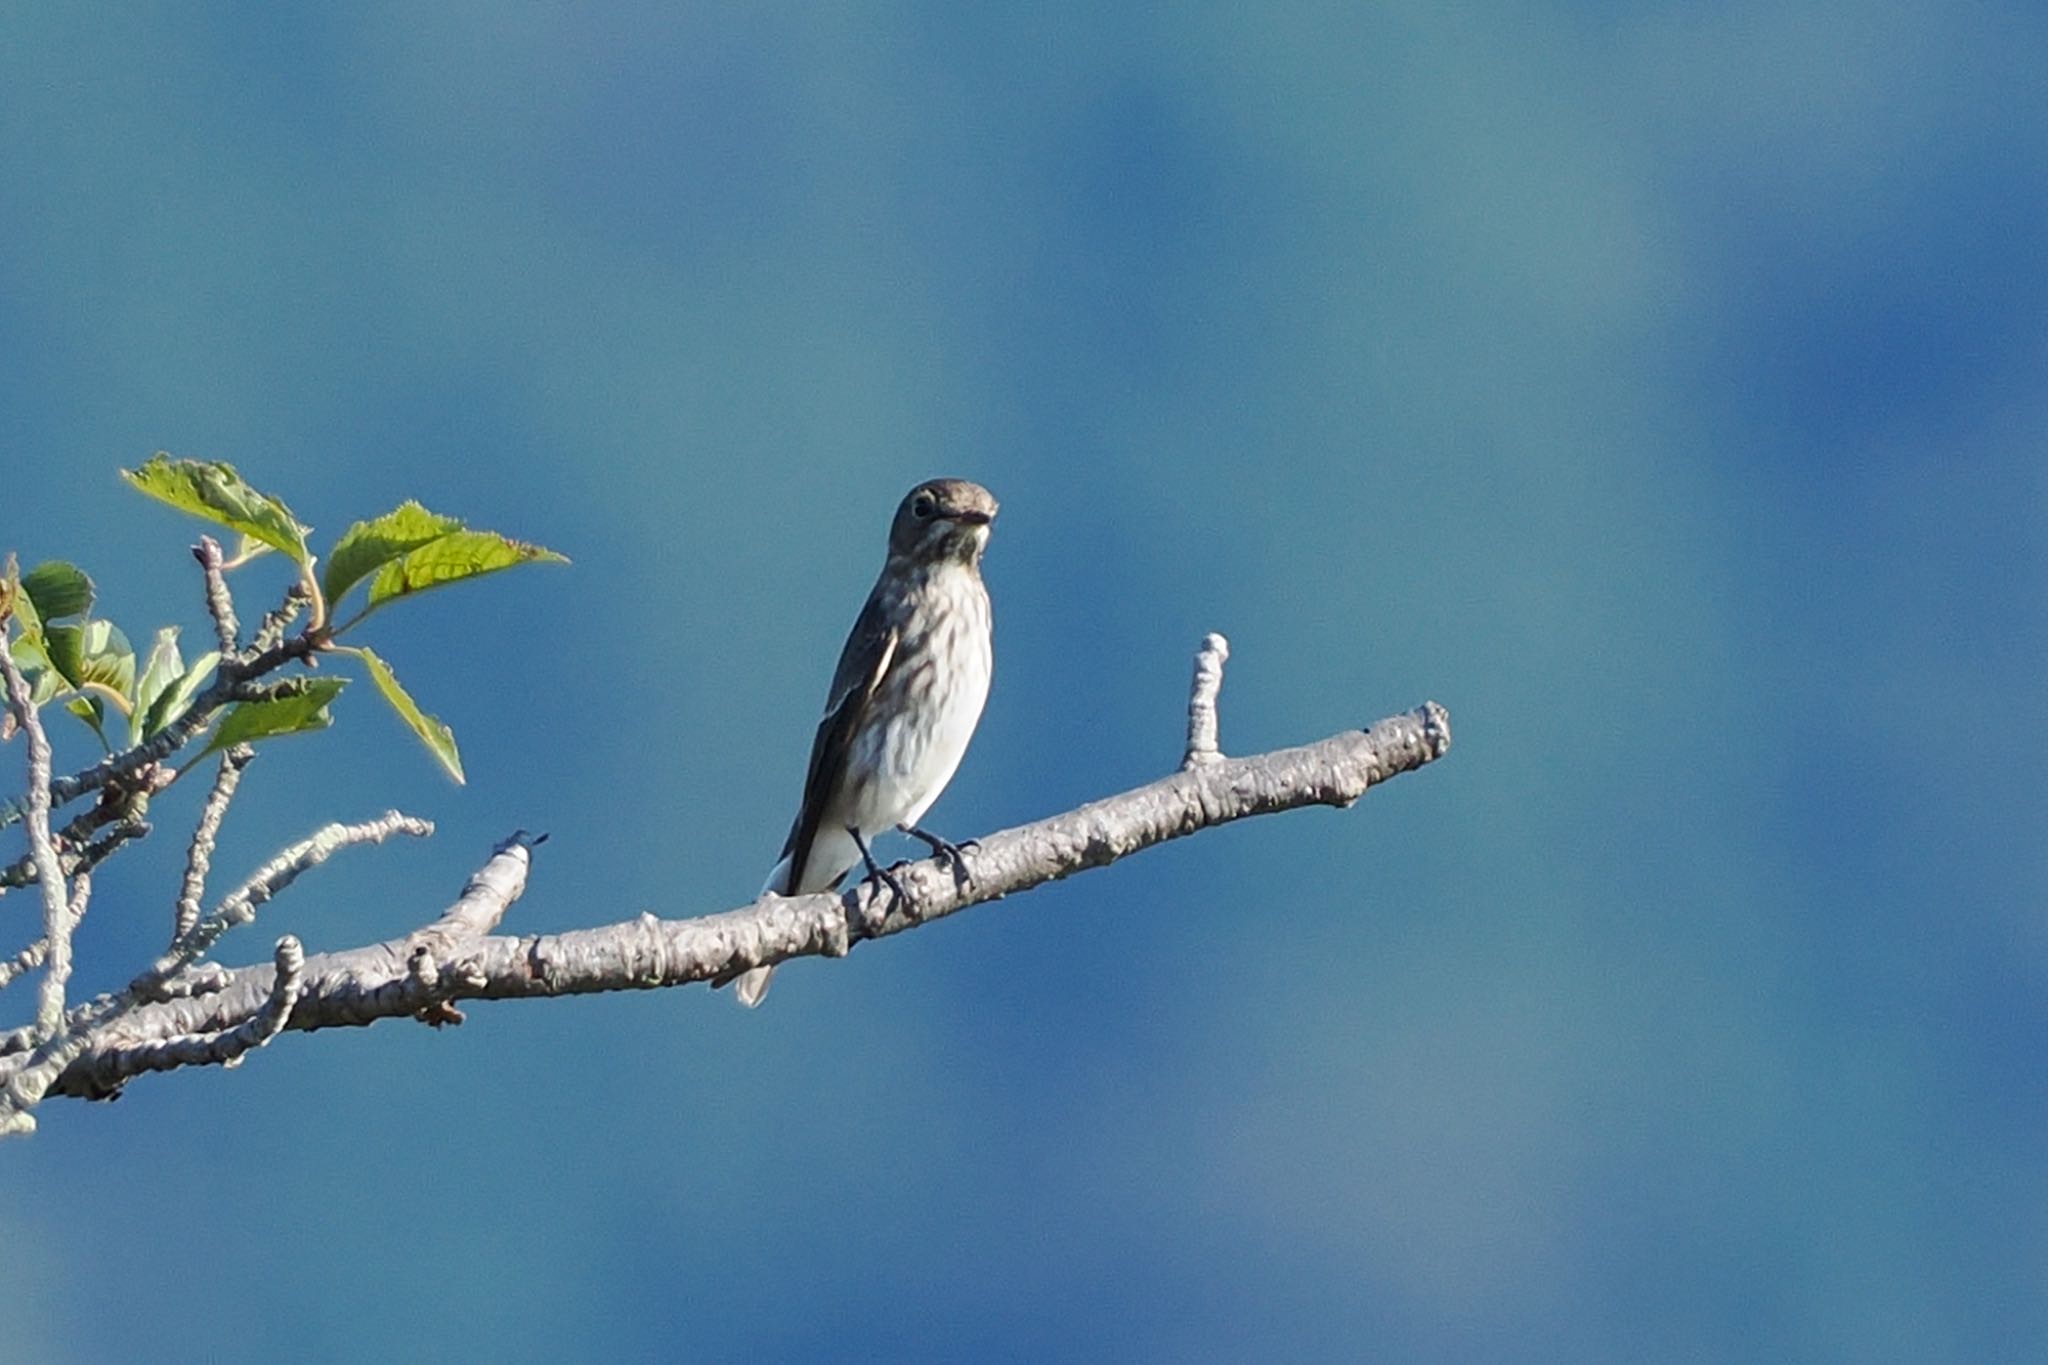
(874, 914)
(946, 851)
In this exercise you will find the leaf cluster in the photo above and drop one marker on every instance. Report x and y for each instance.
(87, 662)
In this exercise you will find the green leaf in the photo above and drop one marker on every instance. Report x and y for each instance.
(368, 546)
(93, 711)
(92, 652)
(58, 590)
(305, 708)
(452, 558)
(438, 738)
(44, 681)
(213, 490)
(164, 667)
(33, 656)
(24, 609)
(175, 700)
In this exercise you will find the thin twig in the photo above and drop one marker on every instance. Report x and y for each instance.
(102, 848)
(27, 960)
(239, 906)
(1202, 702)
(220, 604)
(278, 620)
(33, 956)
(56, 910)
(488, 894)
(22, 871)
(199, 853)
(475, 913)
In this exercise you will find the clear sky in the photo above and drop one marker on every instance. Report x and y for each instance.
(1658, 386)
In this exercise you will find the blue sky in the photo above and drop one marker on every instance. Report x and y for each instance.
(1657, 387)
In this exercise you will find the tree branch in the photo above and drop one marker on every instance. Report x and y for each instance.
(239, 905)
(199, 853)
(220, 604)
(42, 851)
(363, 985)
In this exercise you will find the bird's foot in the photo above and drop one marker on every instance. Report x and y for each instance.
(946, 851)
(876, 913)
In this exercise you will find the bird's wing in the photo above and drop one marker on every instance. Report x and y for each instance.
(862, 664)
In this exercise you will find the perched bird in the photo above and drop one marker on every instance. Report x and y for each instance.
(904, 702)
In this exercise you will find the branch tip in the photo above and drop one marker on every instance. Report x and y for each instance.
(1208, 682)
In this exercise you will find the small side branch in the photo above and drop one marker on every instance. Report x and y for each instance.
(199, 854)
(220, 604)
(239, 906)
(33, 956)
(487, 895)
(42, 851)
(271, 633)
(1202, 725)
(23, 962)
(76, 838)
(476, 912)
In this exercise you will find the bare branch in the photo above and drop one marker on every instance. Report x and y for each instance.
(32, 957)
(69, 840)
(276, 622)
(23, 962)
(42, 852)
(476, 912)
(380, 982)
(199, 854)
(1202, 702)
(220, 604)
(489, 894)
(239, 906)
(226, 1047)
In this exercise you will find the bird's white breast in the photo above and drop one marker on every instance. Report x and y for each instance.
(931, 709)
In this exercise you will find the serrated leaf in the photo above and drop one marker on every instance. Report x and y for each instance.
(451, 559)
(438, 738)
(213, 490)
(93, 652)
(58, 590)
(93, 711)
(368, 546)
(304, 710)
(164, 666)
(175, 700)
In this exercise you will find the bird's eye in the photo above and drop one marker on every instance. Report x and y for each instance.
(921, 507)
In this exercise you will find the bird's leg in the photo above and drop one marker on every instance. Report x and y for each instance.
(876, 872)
(945, 850)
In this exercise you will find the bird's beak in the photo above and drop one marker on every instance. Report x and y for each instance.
(974, 518)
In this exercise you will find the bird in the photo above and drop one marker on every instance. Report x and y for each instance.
(909, 690)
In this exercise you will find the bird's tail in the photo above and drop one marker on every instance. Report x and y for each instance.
(833, 854)
(751, 987)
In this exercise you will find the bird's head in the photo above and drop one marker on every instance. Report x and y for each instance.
(943, 519)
